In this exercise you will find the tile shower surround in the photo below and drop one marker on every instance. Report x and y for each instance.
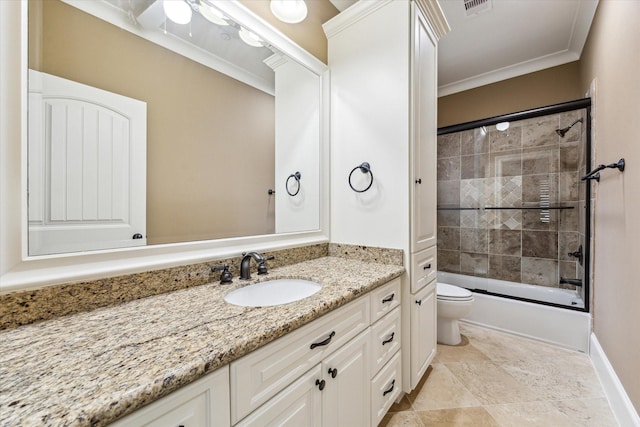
(527, 165)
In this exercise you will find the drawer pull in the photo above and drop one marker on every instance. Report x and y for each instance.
(419, 301)
(321, 384)
(325, 342)
(390, 389)
(426, 267)
(388, 340)
(333, 372)
(389, 298)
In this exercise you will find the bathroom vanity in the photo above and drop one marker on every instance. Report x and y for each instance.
(203, 357)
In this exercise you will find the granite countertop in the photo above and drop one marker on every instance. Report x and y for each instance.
(94, 367)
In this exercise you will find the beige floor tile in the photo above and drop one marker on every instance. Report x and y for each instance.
(442, 390)
(588, 412)
(464, 352)
(503, 347)
(569, 377)
(564, 413)
(491, 384)
(522, 383)
(403, 405)
(461, 417)
(401, 419)
(529, 414)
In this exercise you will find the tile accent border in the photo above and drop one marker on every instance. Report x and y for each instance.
(25, 307)
(367, 253)
(619, 401)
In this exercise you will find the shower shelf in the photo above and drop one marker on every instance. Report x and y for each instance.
(487, 208)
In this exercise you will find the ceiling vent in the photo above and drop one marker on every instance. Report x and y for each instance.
(475, 7)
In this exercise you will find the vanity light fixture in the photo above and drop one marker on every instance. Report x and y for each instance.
(250, 38)
(177, 10)
(212, 14)
(289, 11)
(502, 126)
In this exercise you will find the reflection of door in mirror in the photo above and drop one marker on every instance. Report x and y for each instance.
(87, 169)
(210, 138)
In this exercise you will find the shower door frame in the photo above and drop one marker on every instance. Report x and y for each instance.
(584, 103)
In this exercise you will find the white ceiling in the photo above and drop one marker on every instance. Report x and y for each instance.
(513, 38)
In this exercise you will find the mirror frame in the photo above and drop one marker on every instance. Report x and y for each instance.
(19, 271)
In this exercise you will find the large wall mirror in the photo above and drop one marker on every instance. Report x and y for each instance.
(143, 131)
(292, 129)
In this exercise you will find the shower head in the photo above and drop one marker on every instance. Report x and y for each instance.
(563, 131)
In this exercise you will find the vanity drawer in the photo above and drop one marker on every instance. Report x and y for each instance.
(385, 298)
(386, 340)
(259, 375)
(424, 268)
(385, 389)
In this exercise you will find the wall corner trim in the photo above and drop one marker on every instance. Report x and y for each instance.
(619, 401)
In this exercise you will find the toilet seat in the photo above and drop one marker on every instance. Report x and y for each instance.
(446, 292)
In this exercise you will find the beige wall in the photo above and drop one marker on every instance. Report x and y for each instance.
(204, 128)
(546, 87)
(612, 58)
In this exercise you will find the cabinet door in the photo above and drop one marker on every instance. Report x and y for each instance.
(423, 138)
(259, 375)
(202, 403)
(300, 404)
(423, 331)
(346, 395)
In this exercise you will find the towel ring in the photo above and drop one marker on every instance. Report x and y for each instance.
(297, 177)
(364, 168)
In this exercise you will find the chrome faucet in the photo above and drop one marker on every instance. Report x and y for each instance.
(245, 264)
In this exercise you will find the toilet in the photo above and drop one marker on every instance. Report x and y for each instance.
(453, 304)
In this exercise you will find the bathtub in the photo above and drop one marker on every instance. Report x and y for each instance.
(565, 327)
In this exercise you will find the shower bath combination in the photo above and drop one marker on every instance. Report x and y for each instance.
(512, 210)
(563, 131)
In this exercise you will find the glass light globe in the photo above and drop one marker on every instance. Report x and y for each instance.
(289, 11)
(250, 38)
(212, 14)
(177, 10)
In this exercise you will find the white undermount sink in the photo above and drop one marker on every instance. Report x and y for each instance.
(272, 292)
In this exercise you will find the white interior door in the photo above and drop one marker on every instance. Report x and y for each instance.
(87, 167)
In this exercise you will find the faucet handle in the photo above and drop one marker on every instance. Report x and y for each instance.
(225, 276)
(262, 265)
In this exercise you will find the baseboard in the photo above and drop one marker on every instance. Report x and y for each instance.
(619, 401)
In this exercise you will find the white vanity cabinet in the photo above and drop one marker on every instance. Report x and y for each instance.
(343, 369)
(261, 374)
(383, 110)
(203, 403)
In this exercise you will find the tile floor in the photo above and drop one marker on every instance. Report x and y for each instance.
(497, 379)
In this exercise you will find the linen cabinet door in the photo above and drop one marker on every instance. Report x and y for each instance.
(423, 331)
(424, 129)
(346, 397)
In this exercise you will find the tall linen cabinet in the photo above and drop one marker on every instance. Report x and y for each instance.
(383, 61)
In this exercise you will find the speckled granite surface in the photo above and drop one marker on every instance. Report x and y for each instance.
(367, 253)
(91, 368)
(22, 308)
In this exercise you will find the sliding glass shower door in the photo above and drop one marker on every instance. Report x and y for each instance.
(513, 212)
